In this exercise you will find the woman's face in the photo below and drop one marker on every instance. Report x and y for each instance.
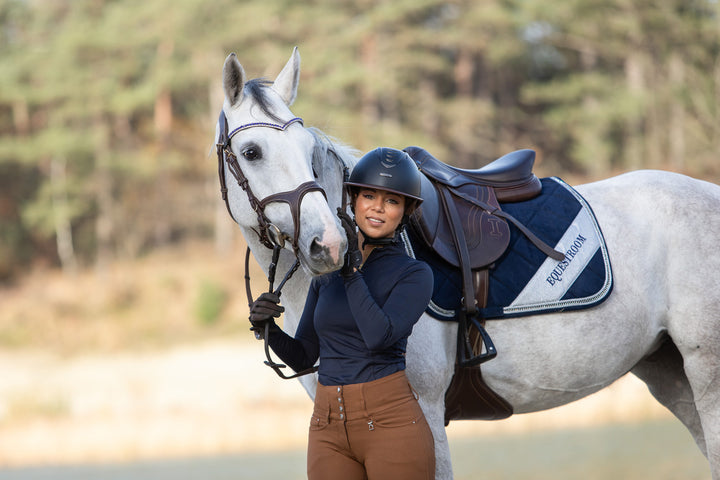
(378, 213)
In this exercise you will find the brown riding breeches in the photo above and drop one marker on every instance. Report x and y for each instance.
(374, 430)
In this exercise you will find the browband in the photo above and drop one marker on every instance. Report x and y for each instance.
(276, 126)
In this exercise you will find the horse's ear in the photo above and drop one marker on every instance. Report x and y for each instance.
(233, 79)
(286, 83)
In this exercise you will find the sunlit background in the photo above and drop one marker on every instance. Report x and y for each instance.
(123, 333)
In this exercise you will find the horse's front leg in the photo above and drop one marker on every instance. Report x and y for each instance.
(430, 366)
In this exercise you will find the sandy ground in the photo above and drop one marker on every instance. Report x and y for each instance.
(203, 399)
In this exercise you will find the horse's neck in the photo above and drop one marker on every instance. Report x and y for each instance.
(334, 151)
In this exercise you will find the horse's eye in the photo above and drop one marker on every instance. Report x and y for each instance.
(252, 153)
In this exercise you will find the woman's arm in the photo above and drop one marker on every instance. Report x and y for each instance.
(383, 327)
(302, 351)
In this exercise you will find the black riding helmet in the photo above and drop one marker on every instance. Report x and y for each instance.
(388, 169)
(391, 170)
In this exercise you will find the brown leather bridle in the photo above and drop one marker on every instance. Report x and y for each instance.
(269, 234)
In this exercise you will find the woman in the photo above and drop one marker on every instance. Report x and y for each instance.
(366, 421)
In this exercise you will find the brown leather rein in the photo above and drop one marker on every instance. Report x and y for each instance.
(269, 234)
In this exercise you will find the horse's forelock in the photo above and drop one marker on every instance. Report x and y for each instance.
(257, 89)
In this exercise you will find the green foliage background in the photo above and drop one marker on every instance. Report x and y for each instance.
(108, 107)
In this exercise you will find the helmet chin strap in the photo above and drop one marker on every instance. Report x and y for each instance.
(380, 241)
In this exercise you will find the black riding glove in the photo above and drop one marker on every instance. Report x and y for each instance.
(264, 309)
(353, 256)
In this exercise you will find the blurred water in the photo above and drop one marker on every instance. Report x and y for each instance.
(661, 450)
(280, 465)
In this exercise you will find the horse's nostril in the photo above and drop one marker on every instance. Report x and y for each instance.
(316, 249)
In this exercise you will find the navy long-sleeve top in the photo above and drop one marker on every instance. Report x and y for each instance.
(358, 326)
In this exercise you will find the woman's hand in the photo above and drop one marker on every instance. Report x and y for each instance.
(353, 256)
(264, 309)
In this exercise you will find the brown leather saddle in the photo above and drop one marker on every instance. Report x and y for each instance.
(461, 221)
(475, 194)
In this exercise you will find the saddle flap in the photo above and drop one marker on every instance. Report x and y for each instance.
(486, 236)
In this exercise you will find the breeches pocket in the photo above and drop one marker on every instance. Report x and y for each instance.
(399, 414)
(320, 419)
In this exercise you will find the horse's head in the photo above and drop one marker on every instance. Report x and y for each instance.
(282, 192)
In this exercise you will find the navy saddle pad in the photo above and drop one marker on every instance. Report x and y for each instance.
(523, 281)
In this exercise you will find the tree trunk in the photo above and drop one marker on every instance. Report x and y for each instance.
(224, 224)
(715, 129)
(163, 116)
(635, 81)
(368, 96)
(61, 215)
(677, 114)
(428, 108)
(463, 73)
(162, 119)
(163, 111)
(21, 117)
(654, 133)
(463, 79)
(104, 223)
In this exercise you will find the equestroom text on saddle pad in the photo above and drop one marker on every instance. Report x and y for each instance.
(524, 281)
